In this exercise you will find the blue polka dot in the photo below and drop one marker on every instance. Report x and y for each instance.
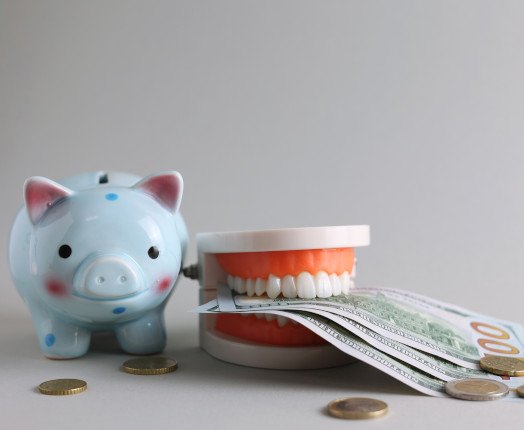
(119, 310)
(111, 197)
(50, 339)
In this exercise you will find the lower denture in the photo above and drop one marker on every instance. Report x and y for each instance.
(273, 332)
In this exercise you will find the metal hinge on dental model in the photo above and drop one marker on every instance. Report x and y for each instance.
(191, 271)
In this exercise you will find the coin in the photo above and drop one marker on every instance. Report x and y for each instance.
(357, 408)
(62, 387)
(149, 365)
(476, 389)
(506, 366)
(520, 391)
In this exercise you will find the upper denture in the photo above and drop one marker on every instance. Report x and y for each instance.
(304, 273)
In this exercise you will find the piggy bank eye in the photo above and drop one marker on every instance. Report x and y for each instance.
(65, 251)
(153, 252)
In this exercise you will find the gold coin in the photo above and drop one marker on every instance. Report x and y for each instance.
(62, 387)
(520, 391)
(149, 365)
(357, 408)
(505, 366)
(476, 389)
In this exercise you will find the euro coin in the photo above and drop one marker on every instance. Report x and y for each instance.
(520, 391)
(476, 389)
(357, 408)
(505, 366)
(62, 387)
(149, 366)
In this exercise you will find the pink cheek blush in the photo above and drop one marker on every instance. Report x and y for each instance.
(164, 285)
(56, 288)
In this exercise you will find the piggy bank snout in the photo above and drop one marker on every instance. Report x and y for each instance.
(108, 276)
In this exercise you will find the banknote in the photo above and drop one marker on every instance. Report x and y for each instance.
(352, 345)
(437, 328)
(434, 366)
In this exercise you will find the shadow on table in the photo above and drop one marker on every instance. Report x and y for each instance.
(196, 364)
(198, 367)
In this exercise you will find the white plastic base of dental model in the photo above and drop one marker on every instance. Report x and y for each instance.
(245, 353)
(284, 239)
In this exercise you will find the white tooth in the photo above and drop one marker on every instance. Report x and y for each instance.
(306, 286)
(289, 289)
(335, 284)
(270, 317)
(250, 287)
(259, 316)
(322, 285)
(240, 285)
(281, 321)
(344, 282)
(351, 283)
(353, 273)
(260, 286)
(231, 281)
(273, 286)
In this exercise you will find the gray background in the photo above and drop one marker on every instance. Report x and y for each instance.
(404, 115)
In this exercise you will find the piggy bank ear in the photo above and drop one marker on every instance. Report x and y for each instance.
(166, 188)
(40, 194)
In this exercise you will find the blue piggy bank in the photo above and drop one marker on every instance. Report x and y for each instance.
(98, 252)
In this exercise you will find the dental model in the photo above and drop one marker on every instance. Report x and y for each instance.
(301, 262)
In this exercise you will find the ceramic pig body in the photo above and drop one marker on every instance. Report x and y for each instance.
(97, 252)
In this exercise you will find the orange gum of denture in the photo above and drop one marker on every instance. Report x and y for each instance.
(267, 332)
(249, 265)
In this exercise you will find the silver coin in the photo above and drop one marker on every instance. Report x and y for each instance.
(476, 389)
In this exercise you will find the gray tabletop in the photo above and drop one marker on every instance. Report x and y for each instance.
(208, 393)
